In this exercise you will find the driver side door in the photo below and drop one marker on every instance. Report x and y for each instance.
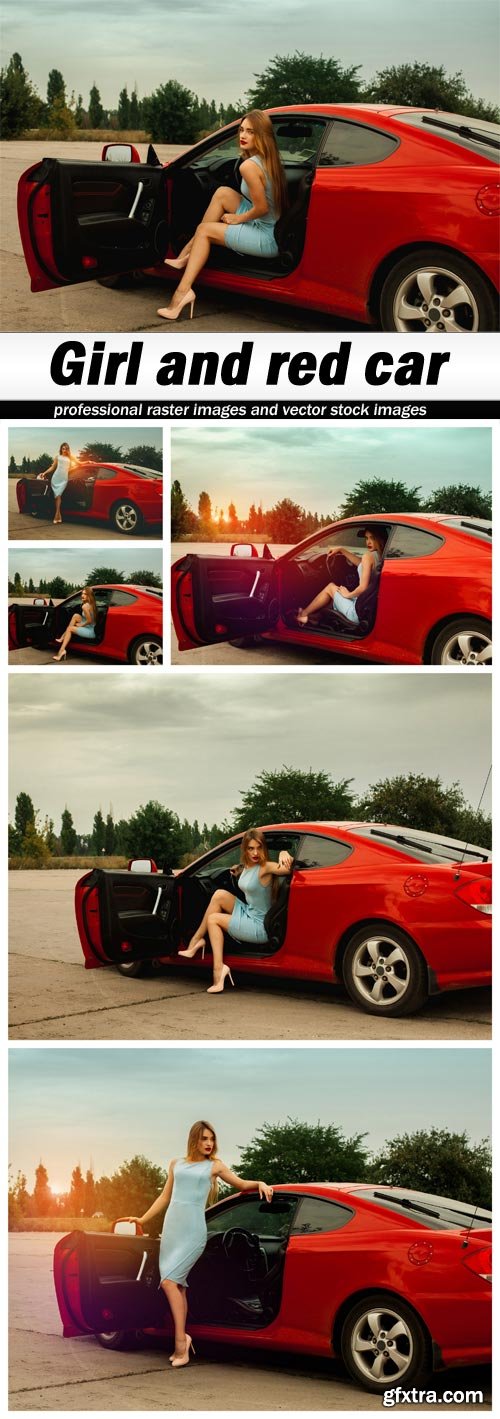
(127, 916)
(216, 598)
(238, 1280)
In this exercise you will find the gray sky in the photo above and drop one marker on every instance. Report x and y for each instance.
(194, 741)
(318, 466)
(76, 563)
(32, 442)
(122, 1102)
(216, 46)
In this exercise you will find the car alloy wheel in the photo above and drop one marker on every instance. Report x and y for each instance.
(126, 517)
(383, 971)
(465, 647)
(436, 302)
(147, 651)
(132, 968)
(383, 1343)
(115, 1339)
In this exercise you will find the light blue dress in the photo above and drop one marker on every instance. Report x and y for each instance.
(87, 631)
(246, 922)
(59, 479)
(256, 237)
(342, 603)
(184, 1234)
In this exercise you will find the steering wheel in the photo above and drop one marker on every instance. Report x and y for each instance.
(329, 560)
(240, 1245)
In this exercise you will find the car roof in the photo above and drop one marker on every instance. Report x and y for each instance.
(380, 835)
(365, 1195)
(126, 586)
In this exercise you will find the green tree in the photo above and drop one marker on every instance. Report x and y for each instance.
(60, 119)
(145, 577)
(96, 452)
(106, 576)
(428, 86)
(96, 111)
(414, 801)
(68, 834)
(123, 109)
(383, 495)
(43, 1198)
(232, 518)
(304, 78)
(19, 103)
(56, 88)
(33, 845)
(437, 1161)
(154, 831)
(49, 836)
(79, 112)
(303, 1152)
(460, 500)
(134, 117)
(58, 587)
(18, 1201)
(109, 836)
(285, 521)
(24, 814)
(205, 509)
(12, 467)
(146, 456)
(98, 838)
(121, 838)
(131, 1189)
(77, 1192)
(181, 515)
(89, 1197)
(171, 114)
(293, 796)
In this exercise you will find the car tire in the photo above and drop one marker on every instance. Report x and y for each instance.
(245, 642)
(400, 985)
(115, 1339)
(123, 281)
(132, 968)
(402, 290)
(464, 641)
(126, 517)
(146, 650)
(410, 1347)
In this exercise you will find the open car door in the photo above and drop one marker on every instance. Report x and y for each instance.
(82, 220)
(127, 916)
(106, 1282)
(31, 625)
(220, 598)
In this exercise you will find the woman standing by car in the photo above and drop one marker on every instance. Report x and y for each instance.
(343, 599)
(191, 1187)
(60, 470)
(244, 221)
(244, 921)
(82, 626)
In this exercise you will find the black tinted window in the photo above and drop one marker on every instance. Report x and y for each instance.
(105, 475)
(122, 598)
(412, 542)
(317, 1214)
(316, 851)
(354, 144)
(255, 1216)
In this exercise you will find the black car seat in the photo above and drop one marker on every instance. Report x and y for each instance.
(290, 229)
(100, 623)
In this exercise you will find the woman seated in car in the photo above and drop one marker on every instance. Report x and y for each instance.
(341, 597)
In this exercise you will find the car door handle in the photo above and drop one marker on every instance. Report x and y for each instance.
(255, 585)
(142, 1265)
(157, 902)
(140, 190)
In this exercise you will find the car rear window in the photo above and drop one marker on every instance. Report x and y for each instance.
(122, 598)
(441, 1213)
(355, 144)
(318, 1214)
(412, 542)
(316, 851)
(476, 527)
(473, 134)
(422, 847)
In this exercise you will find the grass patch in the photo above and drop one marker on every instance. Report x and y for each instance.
(88, 135)
(19, 864)
(61, 1224)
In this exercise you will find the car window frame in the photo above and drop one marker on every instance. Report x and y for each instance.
(193, 869)
(358, 123)
(411, 527)
(231, 1203)
(323, 866)
(329, 1202)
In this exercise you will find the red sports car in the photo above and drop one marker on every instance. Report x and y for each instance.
(429, 602)
(391, 218)
(128, 497)
(129, 624)
(392, 1281)
(394, 914)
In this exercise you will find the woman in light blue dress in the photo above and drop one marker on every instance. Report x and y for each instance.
(191, 1187)
(243, 921)
(82, 626)
(243, 222)
(342, 599)
(60, 471)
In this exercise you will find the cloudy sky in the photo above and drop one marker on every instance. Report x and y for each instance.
(31, 442)
(195, 740)
(216, 46)
(122, 1102)
(317, 466)
(76, 563)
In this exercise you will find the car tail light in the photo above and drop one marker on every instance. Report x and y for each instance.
(488, 199)
(477, 894)
(480, 1262)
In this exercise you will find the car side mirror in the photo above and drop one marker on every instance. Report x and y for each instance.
(123, 1228)
(120, 153)
(244, 549)
(39, 601)
(142, 864)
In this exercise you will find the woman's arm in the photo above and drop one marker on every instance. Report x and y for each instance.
(255, 181)
(354, 557)
(46, 471)
(366, 571)
(86, 613)
(160, 1203)
(281, 868)
(241, 1184)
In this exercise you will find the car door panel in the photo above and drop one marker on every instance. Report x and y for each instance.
(107, 1282)
(30, 625)
(128, 916)
(217, 598)
(81, 220)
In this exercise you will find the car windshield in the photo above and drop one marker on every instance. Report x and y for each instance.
(475, 526)
(423, 847)
(442, 1213)
(473, 134)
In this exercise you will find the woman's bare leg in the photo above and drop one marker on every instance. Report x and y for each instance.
(57, 509)
(221, 901)
(64, 640)
(225, 199)
(320, 600)
(178, 1307)
(218, 924)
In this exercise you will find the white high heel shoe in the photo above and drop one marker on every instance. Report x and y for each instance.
(215, 989)
(192, 950)
(177, 1361)
(173, 312)
(178, 262)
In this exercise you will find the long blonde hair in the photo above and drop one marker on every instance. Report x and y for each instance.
(255, 835)
(195, 1134)
(91, 601)
(267, 148)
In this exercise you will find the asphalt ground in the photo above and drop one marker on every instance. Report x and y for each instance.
(33, 529)
(52, 996)
(91, 307)
(50, 1373)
